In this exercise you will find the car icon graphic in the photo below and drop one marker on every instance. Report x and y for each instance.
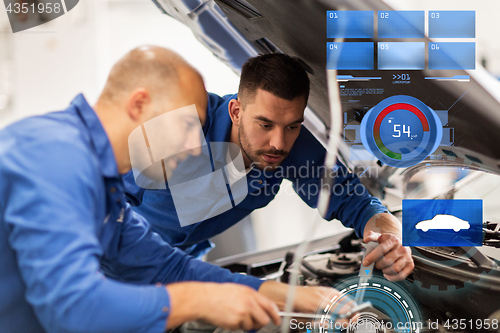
(443, 222)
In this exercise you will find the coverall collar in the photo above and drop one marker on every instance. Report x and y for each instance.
(98, 136)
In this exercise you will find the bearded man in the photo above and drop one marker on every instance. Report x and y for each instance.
(264, 120)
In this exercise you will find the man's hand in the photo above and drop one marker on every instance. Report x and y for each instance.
(390, 255)
(227, 305)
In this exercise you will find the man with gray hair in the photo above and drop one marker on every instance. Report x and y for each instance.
(74, 256)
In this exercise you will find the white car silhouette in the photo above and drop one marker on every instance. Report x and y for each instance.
(443, 222)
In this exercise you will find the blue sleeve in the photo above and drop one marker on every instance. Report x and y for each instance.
(145, 258)
(350, 201)
(49, 214)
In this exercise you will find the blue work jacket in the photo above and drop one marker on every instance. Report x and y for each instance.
(350, 202)
(73, 256)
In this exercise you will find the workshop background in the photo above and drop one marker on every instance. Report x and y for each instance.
(42, 69)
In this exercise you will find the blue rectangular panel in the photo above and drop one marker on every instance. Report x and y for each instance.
(401, 24)
(349, 55)
(396, 56)
(442, 222)
(452, 55)
(452, 24)
(349, 24)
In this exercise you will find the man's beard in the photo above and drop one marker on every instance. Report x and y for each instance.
(255, 155)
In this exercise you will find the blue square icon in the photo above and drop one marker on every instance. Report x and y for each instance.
(349, 24)
(401, 55)
(450, 55)
(350, 55)
(436, 222)
(452, 24)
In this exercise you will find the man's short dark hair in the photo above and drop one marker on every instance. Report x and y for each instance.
(280, 74)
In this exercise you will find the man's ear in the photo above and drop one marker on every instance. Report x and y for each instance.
(235, 109)
(138, 104)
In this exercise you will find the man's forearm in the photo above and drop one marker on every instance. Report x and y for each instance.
(307, 299)
(275, 291)
(383, 223)
(185, 298)
(227, 305)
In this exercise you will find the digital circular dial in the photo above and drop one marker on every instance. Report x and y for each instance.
(401, 131)
(391, 308)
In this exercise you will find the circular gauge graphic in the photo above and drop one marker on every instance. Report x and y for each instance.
(401, 131)
(384, 306)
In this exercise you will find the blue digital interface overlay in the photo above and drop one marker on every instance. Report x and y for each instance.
(460, 78)
(347, 77)
(452, 55)
(396, 56)
(452, 24)
(401, 131)
(436, 222)
(350, 56)
(349, 24)
(401, 24)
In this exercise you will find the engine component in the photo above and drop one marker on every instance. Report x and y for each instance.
(331, 266)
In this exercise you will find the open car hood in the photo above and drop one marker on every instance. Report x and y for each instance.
(236, 30)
